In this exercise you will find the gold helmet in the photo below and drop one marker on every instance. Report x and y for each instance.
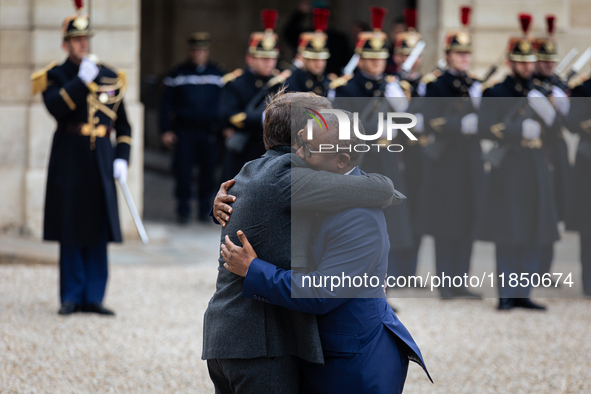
(199, 40)
(546, 46)
(313, 45)
(264, 44)
(372, 44)
(460, 40)
(521, 49)
(406, 41)
(76, 25)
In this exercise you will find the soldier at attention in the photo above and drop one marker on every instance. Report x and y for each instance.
(86, 100)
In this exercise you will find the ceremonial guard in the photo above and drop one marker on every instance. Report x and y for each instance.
(368, 83)
(85, 98)
(243, 98)
(550, 85)
(518, 210)
(189, 120)
(312, 56)
(579, 215)
(453, 170)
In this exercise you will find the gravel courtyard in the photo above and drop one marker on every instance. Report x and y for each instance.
(153, 345)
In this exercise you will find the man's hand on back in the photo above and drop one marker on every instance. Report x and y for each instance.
(221, 210)
(238, 258)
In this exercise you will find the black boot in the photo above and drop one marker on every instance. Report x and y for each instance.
(68, 308)
(506, 304)
(528, 304)
(97, 308)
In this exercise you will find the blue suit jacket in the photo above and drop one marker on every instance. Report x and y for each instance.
(360, 352)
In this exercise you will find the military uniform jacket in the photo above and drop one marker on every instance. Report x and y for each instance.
(453, 170)
(398, 218)
(81, 199)
(518, 206)
(303, 81)
(579, 121)
(239, 111)
(190, 99)
(556, 149)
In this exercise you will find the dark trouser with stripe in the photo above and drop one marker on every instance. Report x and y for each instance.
(586, 260)
(403, 262)
(83, 272)
(516, 259)
(277, 375)
(191, 147)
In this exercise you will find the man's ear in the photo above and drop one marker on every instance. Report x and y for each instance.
(343, 160)
(65, 46)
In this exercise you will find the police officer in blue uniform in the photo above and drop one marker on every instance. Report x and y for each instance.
(243, 98)
(518, 209)
(311, 58)
(453, 170)
(550, 85)
(81, 212)
(579, 215)
(189, 120)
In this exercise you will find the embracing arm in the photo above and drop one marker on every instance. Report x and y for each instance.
(326, 191)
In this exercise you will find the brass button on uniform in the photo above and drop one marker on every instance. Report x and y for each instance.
(457, 83)
(96, 120)
(318, 90)
(103, 98)
(368, 85)
(258, 83)
(309, 84)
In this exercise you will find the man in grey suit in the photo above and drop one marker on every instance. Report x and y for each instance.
(253, 347)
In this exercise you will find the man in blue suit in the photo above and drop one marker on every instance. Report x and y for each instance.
(366, 348)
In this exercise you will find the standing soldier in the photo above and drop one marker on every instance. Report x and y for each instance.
(313, 53)
(453, 169)
(579, 217)
(370, 81)
(190, 102)
(243, 98)
(550, 85)
(518, 210)
(81, 201)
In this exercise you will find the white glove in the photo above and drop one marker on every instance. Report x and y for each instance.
(540, 103)
(120, 170)
(88, 70)
(470, 124)
(561, 100)
(420, 126)
(396, 97)
(475, 92)
(530, 129)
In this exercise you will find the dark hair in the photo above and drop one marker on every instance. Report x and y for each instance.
(345, 145)
(285, 116)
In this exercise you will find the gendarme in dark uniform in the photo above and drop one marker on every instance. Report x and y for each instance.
(243, 100)
(312, 49)
(81, 201)
(518, 209)
(550, 85)
(190, 103)
(579, 215)
(453, 169)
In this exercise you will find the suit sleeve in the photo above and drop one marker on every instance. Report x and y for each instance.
(123, 129)
(352, 250)
(61, 99)
(326, 191)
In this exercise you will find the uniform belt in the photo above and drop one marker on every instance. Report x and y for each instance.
(532, 144)
(85, 129)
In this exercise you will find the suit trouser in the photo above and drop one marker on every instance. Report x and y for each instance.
(277, 375)
(83, 272)
(191, 147)
(516, 259)
(547, 255)
(585, 239)
(452, 258)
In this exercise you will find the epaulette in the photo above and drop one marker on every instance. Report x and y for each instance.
(340, 81)
(489, 84)
(390, 78)
(406, 88)
(229, 77)
(279, 78)
(473, 76)
(431, 77)
(39, 79)
(578, 81)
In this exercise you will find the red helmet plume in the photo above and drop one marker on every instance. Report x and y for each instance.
(320, 18)
(410, 18)
(525, 20)
(550, 23)
(269, 19)
(79, 4)
(377, 17)
(465, 15)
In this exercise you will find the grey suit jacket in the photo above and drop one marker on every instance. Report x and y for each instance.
(236, 327)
